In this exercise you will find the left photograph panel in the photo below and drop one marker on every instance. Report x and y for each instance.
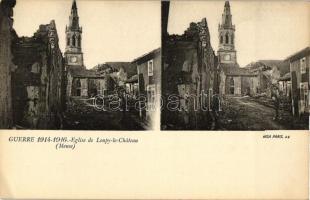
(80, 64)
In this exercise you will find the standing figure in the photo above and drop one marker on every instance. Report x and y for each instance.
(275, 95)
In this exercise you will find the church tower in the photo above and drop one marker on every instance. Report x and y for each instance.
(73, 53)
(227, 53)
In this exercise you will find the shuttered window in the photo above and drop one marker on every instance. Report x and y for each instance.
(150, 67)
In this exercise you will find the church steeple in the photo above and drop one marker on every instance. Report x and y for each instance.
(74, 17)
(226, 52)
(74, 7)
(226, 16)
(74, 55)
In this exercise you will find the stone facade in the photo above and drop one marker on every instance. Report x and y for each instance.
(269, 72)
(6, 36)
(238, 81)
(32, 75)
(38, 80)
(103, 79)
(88, 83)
(189, 77)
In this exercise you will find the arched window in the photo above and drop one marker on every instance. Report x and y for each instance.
(232, 39)
(68, 41)
(221, 39)
(79, 41)
(226, 38)
(73, 40)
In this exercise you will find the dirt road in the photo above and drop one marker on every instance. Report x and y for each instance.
(243, 113)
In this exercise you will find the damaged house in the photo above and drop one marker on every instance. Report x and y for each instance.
(200, 78)
(189, 77)
(118, 75)
(37, 80)
(270, 72)
(32, 75)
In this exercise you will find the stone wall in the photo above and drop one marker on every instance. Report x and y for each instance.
(243, 85)
(101, 86)
(6, 36)
(90, 87)
(189, 72)
(207, 60)
(237, 80)
(84, 87)
(38, 80)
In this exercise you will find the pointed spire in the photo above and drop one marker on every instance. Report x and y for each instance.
(227, 8)
(74, 18)
(226, 16)
(74, 9)
(227, 4)
(74, 5)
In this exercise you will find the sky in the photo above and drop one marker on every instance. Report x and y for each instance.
(112, 30)
(264, 29)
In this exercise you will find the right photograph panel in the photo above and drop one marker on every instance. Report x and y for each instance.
(235, 65)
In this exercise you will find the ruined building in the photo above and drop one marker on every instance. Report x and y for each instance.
(116, 75)
(269, 73)
(38, 79)
(31, 76)
(195, 79)
(6, 36)
(189, 77)
(233, 80)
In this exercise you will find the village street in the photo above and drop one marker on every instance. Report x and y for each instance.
(83, 116)
(247, 113)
